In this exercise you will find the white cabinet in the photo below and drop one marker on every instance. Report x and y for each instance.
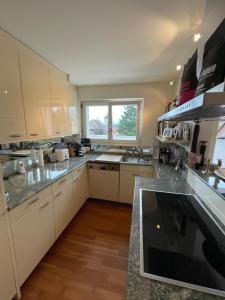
(63, 203)
(80, 187)
(60, 102)
(7, 281)
(12, 122)
(33, 233)
(74, 111)
(36, 94)
(127, 180)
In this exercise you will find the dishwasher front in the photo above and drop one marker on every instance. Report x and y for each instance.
(104, 180)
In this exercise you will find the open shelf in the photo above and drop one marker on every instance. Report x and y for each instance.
(182, 143)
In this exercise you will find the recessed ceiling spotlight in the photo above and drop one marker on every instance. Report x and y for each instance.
(196, 37)
(178, 67)
(171, 82)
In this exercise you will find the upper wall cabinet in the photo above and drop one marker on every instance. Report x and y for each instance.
(74, 111)
(36, 94)
(12, 123)
(60, 102)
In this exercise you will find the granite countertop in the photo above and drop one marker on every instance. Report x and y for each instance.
(22, 186)
(141, 288)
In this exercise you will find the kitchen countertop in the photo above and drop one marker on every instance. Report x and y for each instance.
(22, 186)
(141, 288)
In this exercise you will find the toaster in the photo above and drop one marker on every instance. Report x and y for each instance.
(62, 154)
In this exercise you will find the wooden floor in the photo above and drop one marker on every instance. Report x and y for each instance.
(89, 260)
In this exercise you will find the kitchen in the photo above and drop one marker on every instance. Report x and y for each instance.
(112, 150)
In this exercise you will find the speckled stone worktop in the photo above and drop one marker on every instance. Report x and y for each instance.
(22, 186)
(141, 288)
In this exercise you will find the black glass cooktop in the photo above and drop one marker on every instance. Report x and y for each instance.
(181, 242)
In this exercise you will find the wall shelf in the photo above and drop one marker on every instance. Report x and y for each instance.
(180, 143)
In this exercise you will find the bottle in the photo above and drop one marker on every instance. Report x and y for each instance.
(40, 157)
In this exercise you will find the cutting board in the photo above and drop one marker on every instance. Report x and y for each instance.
(109, 158)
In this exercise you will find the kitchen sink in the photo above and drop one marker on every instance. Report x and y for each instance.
(136, 160)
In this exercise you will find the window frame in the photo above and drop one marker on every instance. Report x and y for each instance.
(110, 104)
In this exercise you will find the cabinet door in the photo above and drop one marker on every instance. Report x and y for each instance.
(74, 112)
(127, 182)
(80, 187)
(33, 234)
(7, 282)
(12, 121)
(126, 187)
(63, 204)
(84, 185)
(60, 102)
(36, 95)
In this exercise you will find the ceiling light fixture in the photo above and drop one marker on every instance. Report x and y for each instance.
(171, 82)
(178, 67)
(196, 37)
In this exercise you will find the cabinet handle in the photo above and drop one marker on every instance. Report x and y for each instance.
(15, 135)
(58, 194)
(58, 132)
(34, 134)
(136, 174)
(33, 201)
(45, 204)
(75, 180)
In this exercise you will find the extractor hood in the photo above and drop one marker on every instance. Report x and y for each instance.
(210, 105)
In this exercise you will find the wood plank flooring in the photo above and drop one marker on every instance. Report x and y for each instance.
(89, 260)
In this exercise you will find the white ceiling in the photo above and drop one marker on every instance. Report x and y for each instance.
(107, 41)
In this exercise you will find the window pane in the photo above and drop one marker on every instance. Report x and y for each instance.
(124, 122)
(219, 152)
(97, 122)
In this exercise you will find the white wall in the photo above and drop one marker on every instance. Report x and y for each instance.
(155, 95)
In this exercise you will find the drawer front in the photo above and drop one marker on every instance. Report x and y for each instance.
(137, 168)
(23, 208)
(61, 182)
(78, 171)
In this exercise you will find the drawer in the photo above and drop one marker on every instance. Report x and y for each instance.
(137, 169)
(78, 171)
(61, 182)
(23, 208)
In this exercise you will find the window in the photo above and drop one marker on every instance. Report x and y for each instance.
(113, 121)
(219, 148)
(97, 121)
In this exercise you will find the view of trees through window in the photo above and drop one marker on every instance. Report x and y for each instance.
(123, 121)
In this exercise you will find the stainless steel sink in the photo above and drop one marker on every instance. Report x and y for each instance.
(136, 160)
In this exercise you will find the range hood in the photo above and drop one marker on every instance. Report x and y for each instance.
(210, 105)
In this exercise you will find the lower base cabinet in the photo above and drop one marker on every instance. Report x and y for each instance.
(80, 187)
(33, 234)
(36, 224)
(127, 180)
(63, 205)
(7, 281)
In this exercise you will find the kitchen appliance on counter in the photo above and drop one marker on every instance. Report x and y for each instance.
(62, 154)
(180, 243)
